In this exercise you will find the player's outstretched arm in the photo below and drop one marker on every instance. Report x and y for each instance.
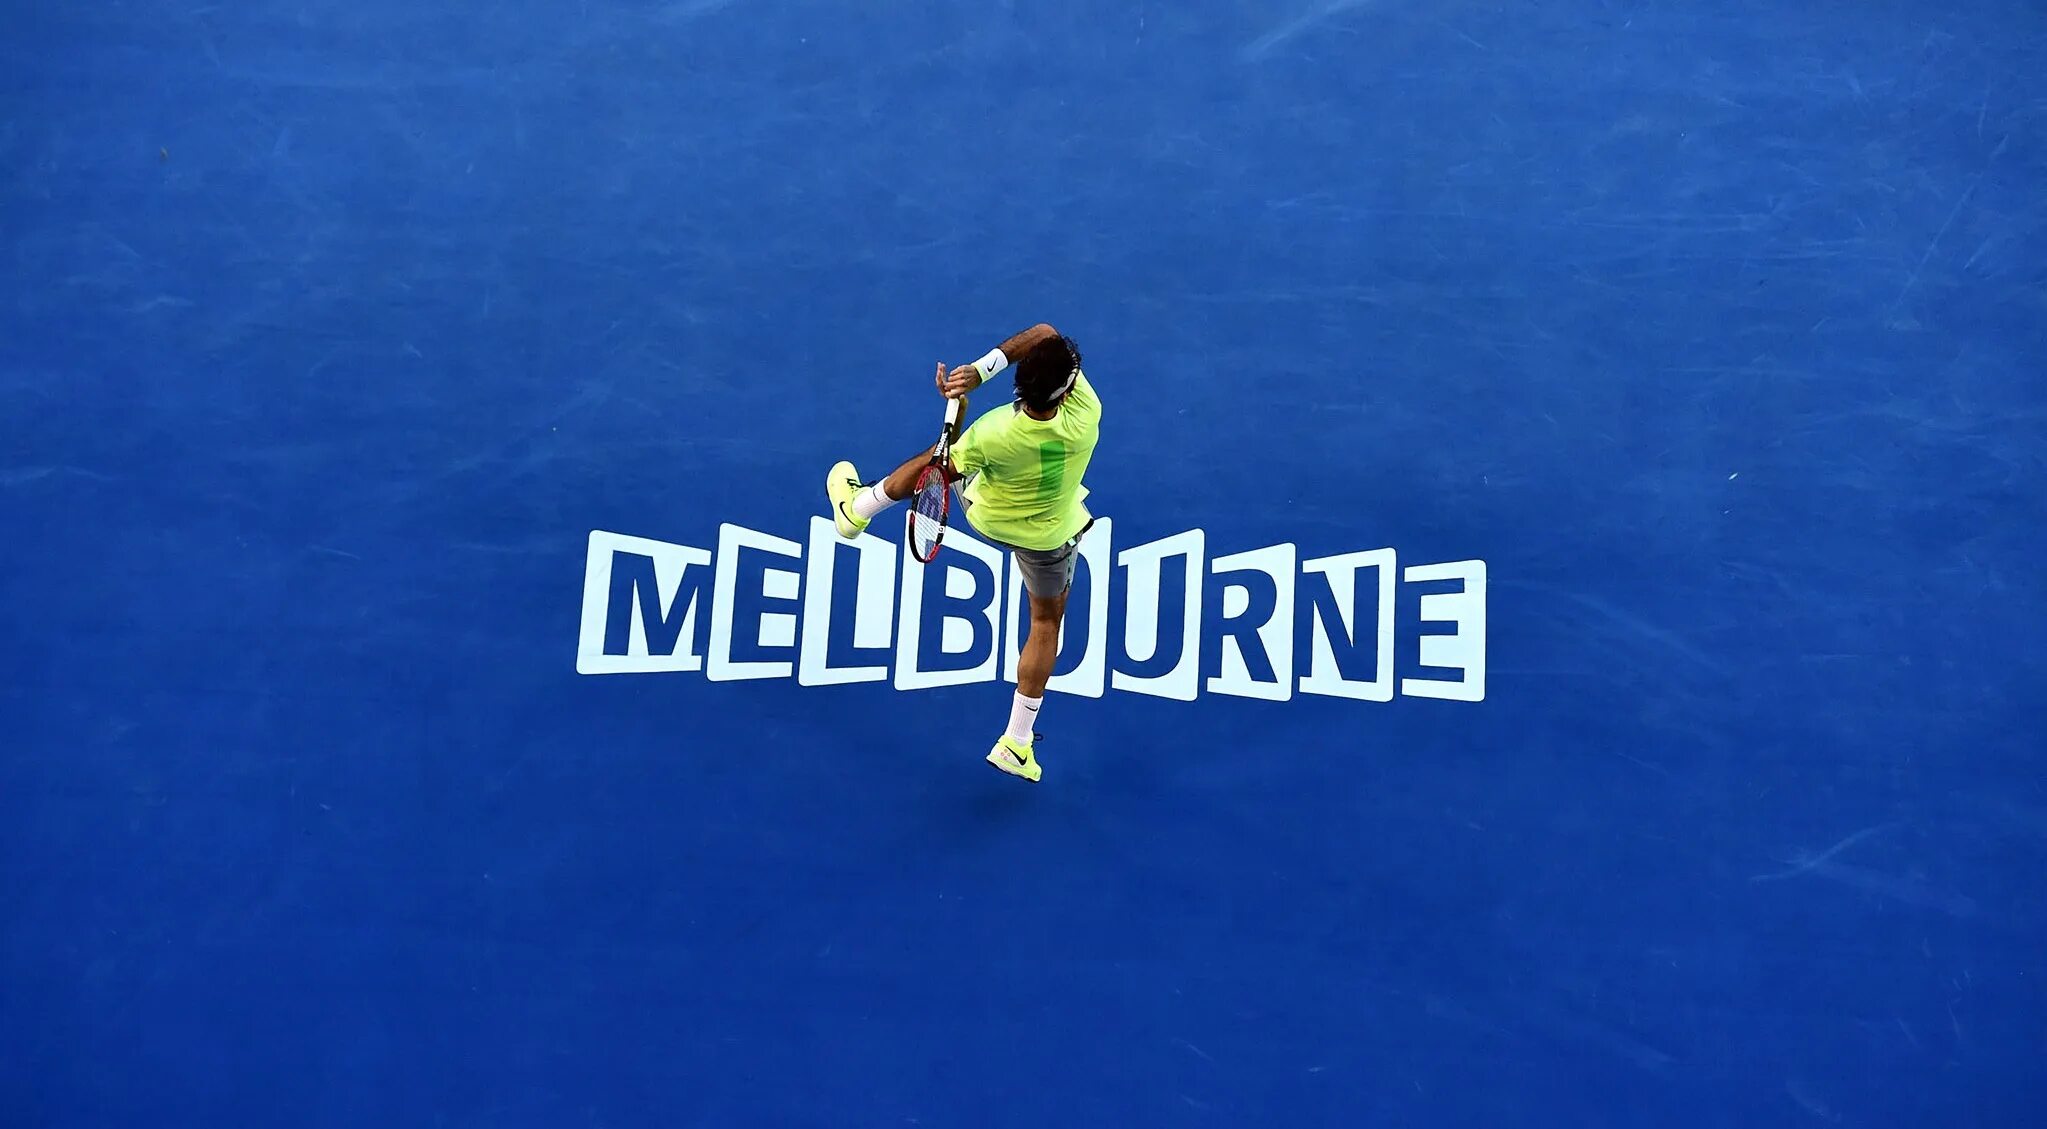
(965, 378)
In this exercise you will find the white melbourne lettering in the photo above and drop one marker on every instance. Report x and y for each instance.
(1159, 618)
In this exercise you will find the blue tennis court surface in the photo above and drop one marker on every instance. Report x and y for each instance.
(1563, 645)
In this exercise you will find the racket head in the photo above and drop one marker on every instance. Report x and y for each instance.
(930, 509)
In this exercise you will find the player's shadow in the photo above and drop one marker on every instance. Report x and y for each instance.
(991, 804)
(968, 805)
(964, 806)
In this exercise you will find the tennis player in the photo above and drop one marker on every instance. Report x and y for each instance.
(1018, 473)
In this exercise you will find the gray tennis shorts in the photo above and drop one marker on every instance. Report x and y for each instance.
(1046, 572)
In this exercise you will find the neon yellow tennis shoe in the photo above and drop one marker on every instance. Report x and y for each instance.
(1015, 758)
(840, 484)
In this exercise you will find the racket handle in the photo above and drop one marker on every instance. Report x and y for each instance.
(952, 412)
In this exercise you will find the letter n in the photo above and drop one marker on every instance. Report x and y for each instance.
(1349, 656)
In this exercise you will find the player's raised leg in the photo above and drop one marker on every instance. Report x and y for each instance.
(855, 503)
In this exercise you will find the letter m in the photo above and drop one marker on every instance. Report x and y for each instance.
(640, 605)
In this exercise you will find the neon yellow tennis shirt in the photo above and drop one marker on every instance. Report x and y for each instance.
(1026, 472)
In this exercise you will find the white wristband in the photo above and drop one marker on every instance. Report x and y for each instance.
(991, 364)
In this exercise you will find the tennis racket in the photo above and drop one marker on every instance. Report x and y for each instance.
(931, 500)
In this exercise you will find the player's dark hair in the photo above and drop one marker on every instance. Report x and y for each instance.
(1042, 375)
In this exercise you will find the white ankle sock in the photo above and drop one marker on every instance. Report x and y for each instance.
(870, 501)
(1023, 715)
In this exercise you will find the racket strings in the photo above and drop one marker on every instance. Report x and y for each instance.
(928, 514)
